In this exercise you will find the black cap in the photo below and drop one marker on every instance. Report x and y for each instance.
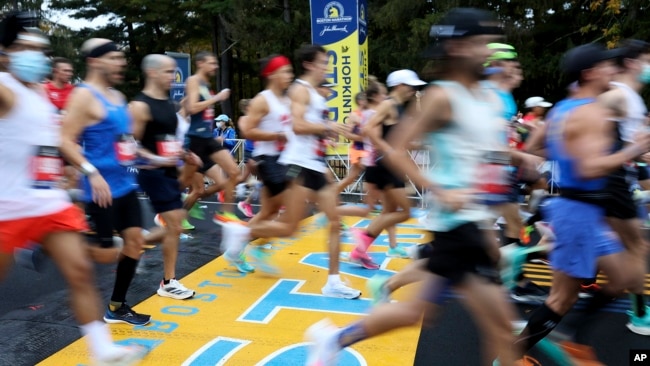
(14, 23)
(462, 22)
(585, 57)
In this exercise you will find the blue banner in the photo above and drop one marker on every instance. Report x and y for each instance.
(177, 91)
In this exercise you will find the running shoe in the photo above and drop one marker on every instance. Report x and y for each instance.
(239, 262)
(196, 212)
(123, 356)
(340, 290)
(362, 259)
(529, 293)
(324, 347)
(587, 291)
(175, 290)
(640, 325)
(262, 260)
(378, 291)
(524, 235)
(221, 218)
(245, 208)
(159, 221)
(186, 225)
(397, 252)
(124, 314)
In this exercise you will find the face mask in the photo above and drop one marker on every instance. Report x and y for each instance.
(219, 124)
(29, 66)
(644, 77)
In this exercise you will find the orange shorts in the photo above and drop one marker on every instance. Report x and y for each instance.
(357, 155)
(18, 233)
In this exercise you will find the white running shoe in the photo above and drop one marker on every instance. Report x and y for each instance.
(324, 348)
(124, 356)
(234, 238)
(340, 290)
(175, 290)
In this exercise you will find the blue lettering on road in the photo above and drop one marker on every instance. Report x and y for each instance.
(321, 260)
(289, 355)
(284, 295)
(216, 352)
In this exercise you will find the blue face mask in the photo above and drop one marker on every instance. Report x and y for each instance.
(644, 77)
(29, 66)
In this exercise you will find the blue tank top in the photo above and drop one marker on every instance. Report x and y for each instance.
(104, 147)
(509, 104)
(202, 123)
(567, 172)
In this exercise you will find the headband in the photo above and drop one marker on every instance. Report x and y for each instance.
(102, 50)
(274, 64)
(33, 38)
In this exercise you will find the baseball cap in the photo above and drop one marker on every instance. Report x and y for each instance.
(222, 118)
(407, 77)
(502, 51)
(585, 57)
(461, 22)
(537, 102)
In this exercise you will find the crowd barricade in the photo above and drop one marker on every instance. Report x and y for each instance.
(339, 165)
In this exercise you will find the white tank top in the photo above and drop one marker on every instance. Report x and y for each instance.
(29, 166)
(308, 151)
(636, 113)
(277, 120)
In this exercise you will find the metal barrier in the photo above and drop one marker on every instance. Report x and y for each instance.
(339, 165)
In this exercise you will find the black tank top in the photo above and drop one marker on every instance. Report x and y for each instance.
(162, 126)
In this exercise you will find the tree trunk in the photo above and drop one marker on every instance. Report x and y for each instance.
(287, 13)
(225, 76)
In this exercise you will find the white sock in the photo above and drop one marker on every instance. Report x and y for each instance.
(333, 279)
(99, 339)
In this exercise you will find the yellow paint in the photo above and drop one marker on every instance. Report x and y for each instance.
(236, 294)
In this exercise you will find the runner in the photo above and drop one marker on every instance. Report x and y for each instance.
(304, 157)
(32, 208)
(580, 139)
(357, 148)
(245, 206)
(60, 87)
(98, 119)
(154, 125)
(457, 114)
(630, 111)
(200, 105)
(397, 206)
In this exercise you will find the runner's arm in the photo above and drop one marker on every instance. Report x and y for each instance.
(372, 129)
(257, 109)
(299, 96)
(589, 141)
(79, 114)
(192, 96)
(7, 100)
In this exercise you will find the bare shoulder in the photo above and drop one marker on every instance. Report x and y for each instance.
(299, 93)
(588, 117)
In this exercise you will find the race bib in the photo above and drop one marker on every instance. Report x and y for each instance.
(321, 148)
(208, 115)
(493, 177)
(47, 167)
(168, 146)
(126, 149)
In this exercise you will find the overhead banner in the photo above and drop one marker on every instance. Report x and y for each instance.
(177, 92)
(341, 27)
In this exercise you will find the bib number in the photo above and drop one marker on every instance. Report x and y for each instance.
(168, 146)
(47, 167)
(126, 149)
(208, 115)
(493, 177)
